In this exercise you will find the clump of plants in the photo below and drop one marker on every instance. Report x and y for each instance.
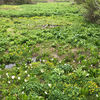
(93, 10)
(92, 7)
(79, 1)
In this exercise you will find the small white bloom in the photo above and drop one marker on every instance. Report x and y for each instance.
(59, 61)
(65, 64)
(25, 80)
(28, 75)
(22, 92)
(91, 65)
(87, 74)
(52, 59)
(84, 71)
(18, 78)
(73, 60)
(62, 71)
(49, 85)
(42, 70)
(63, 92)
(79, 61)
(40, 97)
(9, 82)
(34, 75)
(43, 60)
(97, 95)
(25, 71)
(30, 64)
(59, 73)
(17, 68)
(74, 71)
(45, 92)
(7, 74)
(13, 77)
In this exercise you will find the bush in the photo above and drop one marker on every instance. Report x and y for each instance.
(22, 1)
(92, 7)
(93, 10)
(79, 1)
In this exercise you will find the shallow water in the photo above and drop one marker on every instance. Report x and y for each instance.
(34, 59)
(10, 66)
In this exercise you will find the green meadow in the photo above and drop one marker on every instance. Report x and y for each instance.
(54, 51)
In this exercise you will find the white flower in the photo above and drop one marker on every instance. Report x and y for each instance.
(42, 70)
(40, 97)
(45, 92)
(25, 80)
(43, 60)
(30, 64)
(91, 65)
(22, 92)
(97, 95)
(49, 85)
(25, 71)
(74, 71)
(17, 68)
(87, 74)
(84, 71)
(9, 82)
(73, 60)
(65, 64)
(59, 61)
(18, 78)
(63, 92)
(79, 61)
(13, 77)
(34, 75)
(52, 59)
(28, 75)
(7, 74)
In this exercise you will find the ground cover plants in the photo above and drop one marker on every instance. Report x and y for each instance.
(55, 52)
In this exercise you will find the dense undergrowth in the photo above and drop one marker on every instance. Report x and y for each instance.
(66, 47)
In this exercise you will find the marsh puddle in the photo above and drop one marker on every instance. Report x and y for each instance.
(9, 66)
(33, 59)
